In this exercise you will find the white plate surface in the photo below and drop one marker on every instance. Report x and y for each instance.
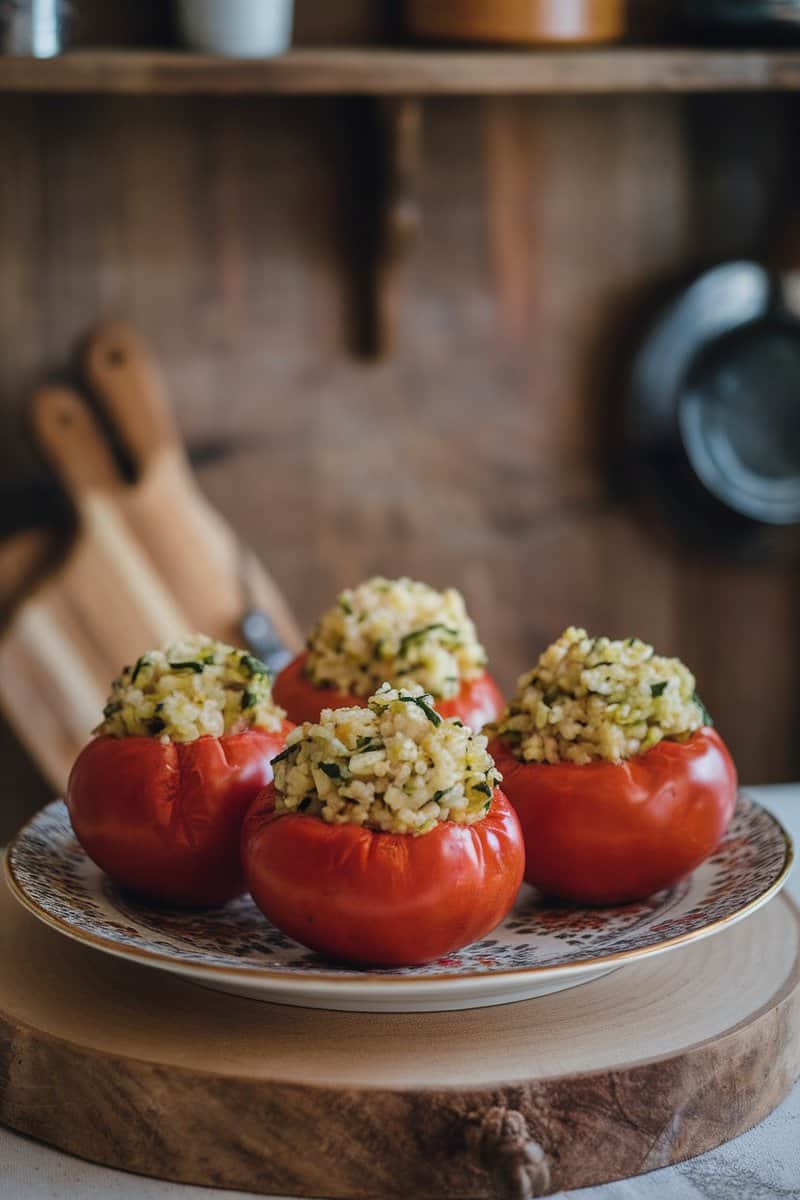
(537, 949)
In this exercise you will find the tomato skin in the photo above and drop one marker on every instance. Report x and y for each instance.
(478, 702)
(385, 899)
(165, 819)
(610, 833)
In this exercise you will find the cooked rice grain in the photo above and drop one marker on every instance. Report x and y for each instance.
(396, 766)
(395, 631)
(194, 687)
(589, 699)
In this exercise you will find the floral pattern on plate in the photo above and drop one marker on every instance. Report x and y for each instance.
(53, 877)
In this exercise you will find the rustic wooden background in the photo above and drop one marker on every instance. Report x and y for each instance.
(483, 452)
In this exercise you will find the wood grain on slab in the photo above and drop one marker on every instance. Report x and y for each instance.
(139, 1070)
(484, 453)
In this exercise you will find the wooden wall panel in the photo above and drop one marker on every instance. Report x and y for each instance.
(483, 453)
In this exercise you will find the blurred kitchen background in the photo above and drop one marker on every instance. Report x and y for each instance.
(405, 335)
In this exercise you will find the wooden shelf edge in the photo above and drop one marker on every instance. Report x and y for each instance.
(421, 72)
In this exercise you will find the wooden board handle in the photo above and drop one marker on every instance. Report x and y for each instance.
(124, 374)
(70, 437)
(67, 433)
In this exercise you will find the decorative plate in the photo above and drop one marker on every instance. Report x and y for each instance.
(538, 949)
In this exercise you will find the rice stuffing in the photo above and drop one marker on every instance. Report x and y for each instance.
(395, 766)
(393, 631)
(592, 699)
(192, 688)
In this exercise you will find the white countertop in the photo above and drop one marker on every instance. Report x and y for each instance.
(763, 1164)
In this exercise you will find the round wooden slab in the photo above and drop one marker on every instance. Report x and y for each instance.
(652, 1064)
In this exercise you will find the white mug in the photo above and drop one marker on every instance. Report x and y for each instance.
(237, 28)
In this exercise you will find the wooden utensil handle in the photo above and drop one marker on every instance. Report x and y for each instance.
(124, 374)
(67, 433)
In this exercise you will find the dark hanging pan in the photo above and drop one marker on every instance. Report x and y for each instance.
(773, 21)
(714, 408)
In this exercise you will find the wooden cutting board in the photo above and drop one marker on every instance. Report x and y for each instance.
(188, 542)
(136, 1069)
(24, 560)
(151, 560)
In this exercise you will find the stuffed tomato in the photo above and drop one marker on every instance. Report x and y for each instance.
(397, 632)
(158, 796)
(620, 784)
(385, 839)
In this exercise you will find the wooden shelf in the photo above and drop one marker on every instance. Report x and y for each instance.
(417, 72)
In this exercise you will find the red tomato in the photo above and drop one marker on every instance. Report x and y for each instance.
(478, 702)
(609, 833)
(388, 899)
(165, 819)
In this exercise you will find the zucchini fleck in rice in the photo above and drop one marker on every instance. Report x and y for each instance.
(194, 687)
(591, 699)
(395, 766)
(389, 631)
